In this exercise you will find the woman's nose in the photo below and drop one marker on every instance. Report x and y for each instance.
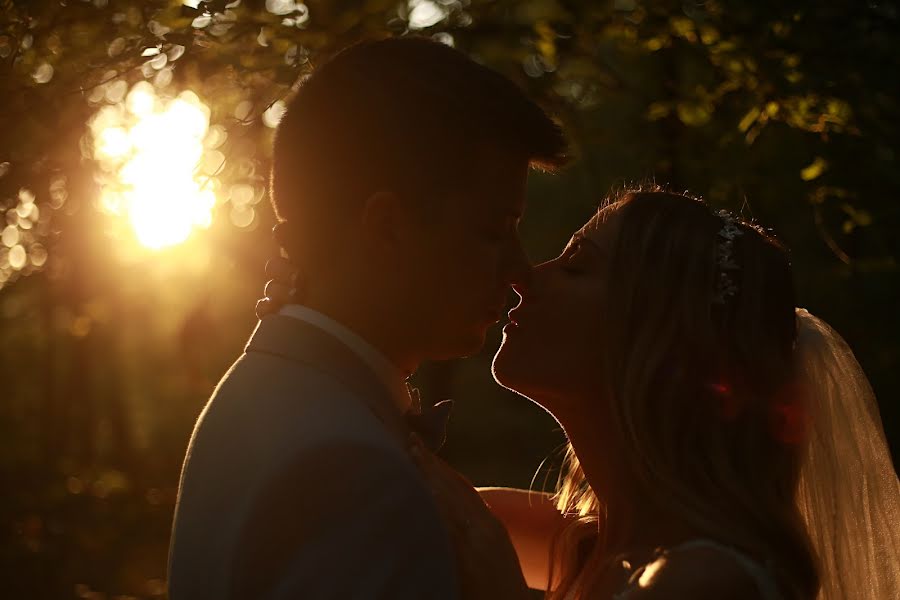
(538, 279)
(529, 285)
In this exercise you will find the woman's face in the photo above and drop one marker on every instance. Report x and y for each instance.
(551, 347)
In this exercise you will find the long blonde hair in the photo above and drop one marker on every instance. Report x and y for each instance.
(701, 395)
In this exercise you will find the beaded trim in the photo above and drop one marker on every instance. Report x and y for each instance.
(725, 260)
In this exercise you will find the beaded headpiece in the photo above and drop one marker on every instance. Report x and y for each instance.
(725, 260)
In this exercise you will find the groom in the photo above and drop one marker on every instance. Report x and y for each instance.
(399, 175)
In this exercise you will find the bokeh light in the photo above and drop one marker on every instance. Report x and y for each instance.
(159, 174)
(425, 13)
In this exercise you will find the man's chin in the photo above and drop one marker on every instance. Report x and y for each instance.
(462, 345)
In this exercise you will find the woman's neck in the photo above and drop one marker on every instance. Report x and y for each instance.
(632, 520)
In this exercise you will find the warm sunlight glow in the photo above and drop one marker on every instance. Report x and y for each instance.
(151, 148)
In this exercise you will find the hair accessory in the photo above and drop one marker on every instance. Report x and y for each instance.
(725, 261)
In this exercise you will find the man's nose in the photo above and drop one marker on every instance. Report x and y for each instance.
(521, 291)
(520, 271)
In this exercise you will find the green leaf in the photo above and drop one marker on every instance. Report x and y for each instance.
(694, 114)
(749, 119)
(814, 170)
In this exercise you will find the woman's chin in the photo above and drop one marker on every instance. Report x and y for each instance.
(521, 367)
(508, 366)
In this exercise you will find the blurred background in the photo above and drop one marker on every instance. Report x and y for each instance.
(135, 143)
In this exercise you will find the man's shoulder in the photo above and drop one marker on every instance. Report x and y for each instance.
(266, 413)
(283, 457)
(347, 469)
(275, 374)
(339, 518)
(300, 401)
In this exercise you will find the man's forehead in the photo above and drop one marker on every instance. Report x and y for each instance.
(493, 161)
(488, 153)
(503, 201)
(500, 177)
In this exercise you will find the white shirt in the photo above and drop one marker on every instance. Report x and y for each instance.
(386, 371)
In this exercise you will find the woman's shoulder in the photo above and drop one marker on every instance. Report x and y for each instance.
(700, 571)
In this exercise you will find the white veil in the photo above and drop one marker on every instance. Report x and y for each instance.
(849, 493)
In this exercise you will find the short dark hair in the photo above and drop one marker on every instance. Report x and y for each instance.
(399, 114)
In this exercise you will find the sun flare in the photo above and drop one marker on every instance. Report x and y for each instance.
(158, 167)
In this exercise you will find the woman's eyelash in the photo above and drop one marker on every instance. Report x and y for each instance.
(571, 258)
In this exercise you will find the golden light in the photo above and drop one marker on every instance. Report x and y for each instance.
(152, 150)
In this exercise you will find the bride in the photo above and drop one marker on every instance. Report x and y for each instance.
(723, 444)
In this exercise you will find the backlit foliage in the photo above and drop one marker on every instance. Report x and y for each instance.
(134, 221)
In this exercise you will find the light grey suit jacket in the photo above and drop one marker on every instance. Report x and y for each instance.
(297, 484)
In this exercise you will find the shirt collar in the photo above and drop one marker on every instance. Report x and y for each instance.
(388, 373)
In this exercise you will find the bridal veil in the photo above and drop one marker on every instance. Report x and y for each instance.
(849, 493)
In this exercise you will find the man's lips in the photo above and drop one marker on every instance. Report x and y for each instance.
(494, 316)
(495, 313)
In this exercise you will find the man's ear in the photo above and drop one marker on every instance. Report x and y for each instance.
(386, 218)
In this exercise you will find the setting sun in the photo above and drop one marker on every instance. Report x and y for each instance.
(159, 171)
